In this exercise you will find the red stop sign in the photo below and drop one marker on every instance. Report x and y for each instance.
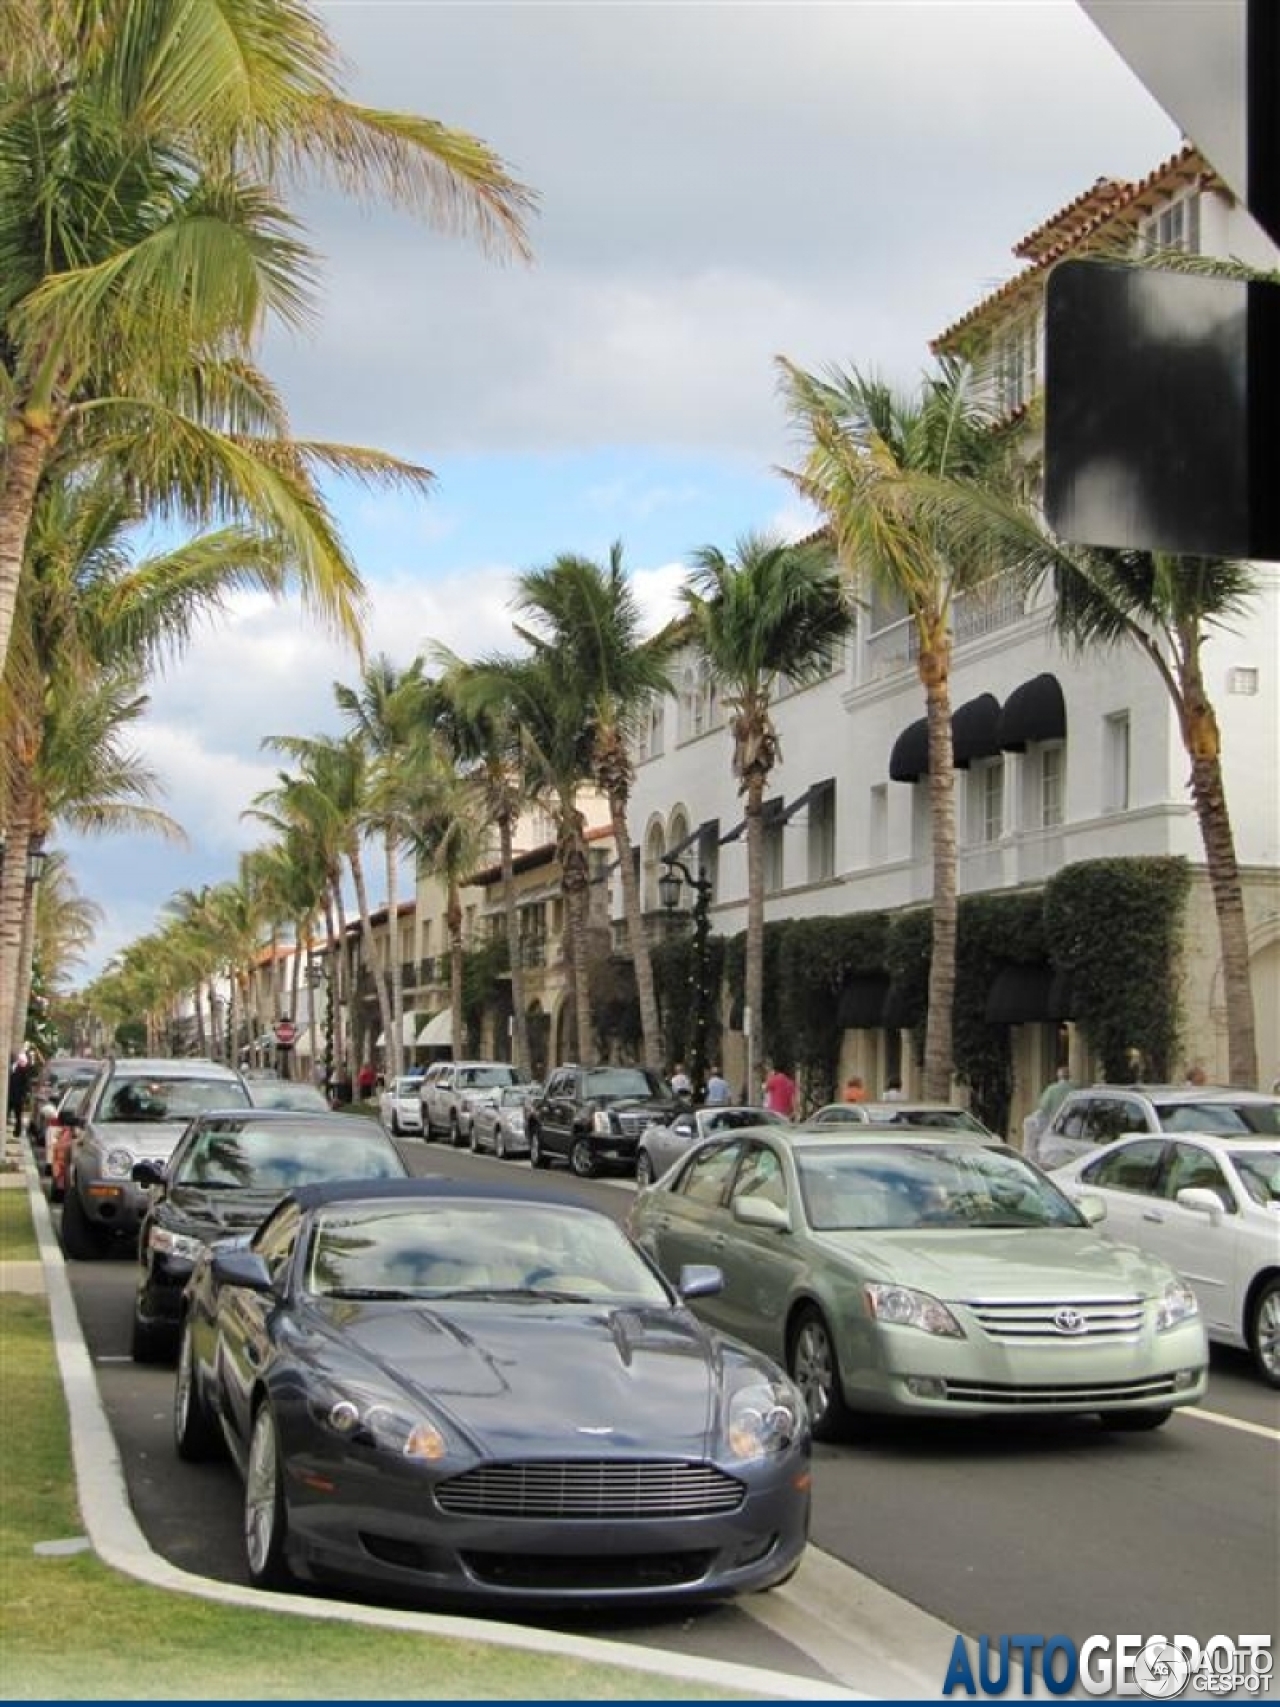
(286, 1033)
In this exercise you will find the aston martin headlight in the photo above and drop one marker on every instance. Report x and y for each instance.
(386, 1424)
(1177, 1303)
(904, 1307)
(764, 1419)
(117, 1164)
(174, 1244)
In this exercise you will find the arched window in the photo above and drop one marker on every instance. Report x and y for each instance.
(654, 844)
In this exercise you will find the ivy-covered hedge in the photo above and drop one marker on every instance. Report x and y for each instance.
(992, 931)
(1116, 926)
(675, 986)
(481, 969)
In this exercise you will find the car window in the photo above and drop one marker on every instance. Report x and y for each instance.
(1131, 1168)
(1259, 1172)
(947, 1186)
(487, 1076)
(761, 1177)
(156, 1098)
(938, 1119)
(709, 1172)
(280, 1156)
(734, 1119)
(1071, 1121)
(1111, 1117)
(1192, 1165)
(621, 1082)
(275, 1241)
(684, 1125)
(1210, 1116)
(850, 1116)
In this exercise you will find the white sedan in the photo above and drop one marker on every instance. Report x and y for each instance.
(400, 1105)
(1210, 1206)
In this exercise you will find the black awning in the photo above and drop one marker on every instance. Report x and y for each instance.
(1036, 711)
(798, 804)
(773, 811)
(732, 835)
(899, 1011)
(862, 1001)
(1062, 997)
(975, 730)
(1019, 995)
(909, 760)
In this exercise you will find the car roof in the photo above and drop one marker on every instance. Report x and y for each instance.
(420, 1189)
(173, 1067)
(324, 1120)
(819, 1138)
(1211, 1141)
(1177, 1093)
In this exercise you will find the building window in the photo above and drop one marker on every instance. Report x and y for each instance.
(878, 825)
(1243, 679)
(822, 832)
(774, 831)
(986, 796)
(1052, 771)
(1175, 226)
(652, 731)
(698, 707)
(1016, 365)
(654, 843)
(1115, 759)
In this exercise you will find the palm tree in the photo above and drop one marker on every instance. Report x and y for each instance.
(1168, 607)
(770, 611)
(473, 717)
(144, 243)
(385, 714)
(882, 468)
(590, 627)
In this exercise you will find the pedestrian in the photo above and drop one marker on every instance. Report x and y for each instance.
(1196, 1075)
(1037, 1122)
(780, 1092)
(681, 1083)
(855, 1089)
(19, 1085)
(717, 1087)
(366, 1079)
(893, 1091)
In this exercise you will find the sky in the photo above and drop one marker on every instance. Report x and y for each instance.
(718, 183)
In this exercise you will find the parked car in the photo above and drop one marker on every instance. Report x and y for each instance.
(228, 1172)
(400, 1104)
(451, 1091)
(498, 1122)
(926, 1116)
(466, 1394)
(1209, 1205)
(1087, 1118)
(592, 1117)
(938, 1276)
(134, 1109)
(56, 1078)
(299, 1095)
(60, 1134)
(662, 1144)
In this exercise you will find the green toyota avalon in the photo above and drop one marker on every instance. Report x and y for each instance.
(922, 1274)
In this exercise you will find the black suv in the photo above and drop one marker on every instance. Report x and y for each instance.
(593, 1116)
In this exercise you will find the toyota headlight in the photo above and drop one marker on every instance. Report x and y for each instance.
(904, 1307)
(381, 1421)
(1177, 1303)
(117, 1164)
(171, 1244)
(764, 1419)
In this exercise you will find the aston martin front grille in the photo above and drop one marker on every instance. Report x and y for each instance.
(588, 1572)
(1059, 1319)
(586, 1488)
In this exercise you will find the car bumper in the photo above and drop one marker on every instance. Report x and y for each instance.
(115, 1205)
(926, 1375)
(372, 1529)
(159, 1301)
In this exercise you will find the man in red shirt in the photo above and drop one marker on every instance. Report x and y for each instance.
(780, 1092)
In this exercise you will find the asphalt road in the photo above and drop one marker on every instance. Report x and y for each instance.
(1053, 1527)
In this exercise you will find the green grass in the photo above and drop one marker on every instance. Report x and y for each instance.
(71, 1628)
(17, 1236)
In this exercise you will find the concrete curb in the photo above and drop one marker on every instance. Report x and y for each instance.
(118, 1541)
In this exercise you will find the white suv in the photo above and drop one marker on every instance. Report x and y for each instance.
(451, 1090)
(1103, 1113)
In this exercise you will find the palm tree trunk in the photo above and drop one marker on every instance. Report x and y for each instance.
(935, 673)
(453, 924)
(574, 878)
(519, 1011)
(197, 1004)
(1228, 900)
(16, 899)
(25, 458)
(753, 979)
(366, 938)
(637, 936)
(395, 1037)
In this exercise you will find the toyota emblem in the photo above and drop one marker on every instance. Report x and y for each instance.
(1069, 1321)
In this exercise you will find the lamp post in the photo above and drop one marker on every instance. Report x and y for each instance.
(318, 974)
(673, 877)
(36, 859)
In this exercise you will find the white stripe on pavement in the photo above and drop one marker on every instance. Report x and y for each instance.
(1196, 1413)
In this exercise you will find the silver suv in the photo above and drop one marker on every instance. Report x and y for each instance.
(1085, 1119)
(135, 1110)
(451, 1091)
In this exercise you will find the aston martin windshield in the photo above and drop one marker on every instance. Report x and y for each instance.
(935, 1186)
(455, 1250)
(281, 1156)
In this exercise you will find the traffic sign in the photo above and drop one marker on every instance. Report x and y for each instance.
(286, 1033)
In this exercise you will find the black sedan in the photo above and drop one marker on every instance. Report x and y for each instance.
(469, 1394)
(228, 1171)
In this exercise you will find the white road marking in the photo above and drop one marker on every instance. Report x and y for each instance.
(1196, 1413)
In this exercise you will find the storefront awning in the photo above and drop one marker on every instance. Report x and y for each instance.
(862, 1001)
(1036, 711)
(909, 760)
(975, 730)
(437, 1033)
(409, 1024)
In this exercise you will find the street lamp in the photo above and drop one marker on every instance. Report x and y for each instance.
(36, 858)
(318, 974)
(670, 883)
